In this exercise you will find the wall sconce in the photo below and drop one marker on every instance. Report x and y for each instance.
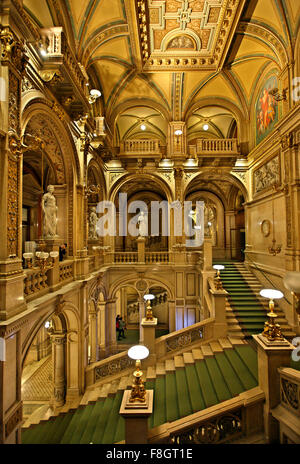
(149, 314)
(138, 392)
(94, 94)
(277, 95)
(272, 331)
(218, 281)
(178, 132)
(291, 281)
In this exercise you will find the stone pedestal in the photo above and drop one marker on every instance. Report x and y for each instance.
(53, 273)
(141, 249)
(148, 329)
(219, 304)
(271, 356)
(136, 418)
(81, 264)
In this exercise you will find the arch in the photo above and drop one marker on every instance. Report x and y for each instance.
(132, 279)
(92, 164)
(139, 177)
(240, 117)
(216, 174)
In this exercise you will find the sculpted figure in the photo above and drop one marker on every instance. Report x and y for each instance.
(92, 224)
(143, 224)
(49, 209)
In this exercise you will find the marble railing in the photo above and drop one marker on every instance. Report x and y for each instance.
(176, 341)
(222, 423)
(35, 282)
(217, 146)
(66, 270)
(290, 389)
(141, 146)
(156, 257)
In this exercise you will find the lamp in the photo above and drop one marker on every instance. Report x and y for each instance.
(218, 282)
(149, 314)
(274, 250)
(272, 331)
(45, 260)
(291, 281)
(94, 94)
(138, 392)
(205, 127)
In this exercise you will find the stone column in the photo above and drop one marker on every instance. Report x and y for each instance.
(58, 359)
(110, 325)
(12, 66)
(93, 335)
(230, 250)
(271, 356)
(102, 333)
(172, 315)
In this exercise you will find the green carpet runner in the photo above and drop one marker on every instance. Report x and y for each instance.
(186, 390)
(248, 310)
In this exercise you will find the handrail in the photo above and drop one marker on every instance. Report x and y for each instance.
(260, 270)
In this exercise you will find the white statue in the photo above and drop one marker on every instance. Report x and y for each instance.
(49, 209)
(93, 224)
(143, 224)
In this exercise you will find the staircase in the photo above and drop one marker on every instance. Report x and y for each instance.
(183, 385)
(246, 310)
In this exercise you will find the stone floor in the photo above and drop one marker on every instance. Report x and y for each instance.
(37, 380)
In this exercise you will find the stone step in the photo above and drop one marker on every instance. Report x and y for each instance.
(216, 347)
(104, 390)
(236, 341)
(170, 365)
(160, 369)
(206, 350)
(188, 358)
(197, 354)
(178, 360)
(151, 373)
(225, 343)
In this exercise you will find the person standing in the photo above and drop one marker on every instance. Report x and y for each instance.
(121, 328)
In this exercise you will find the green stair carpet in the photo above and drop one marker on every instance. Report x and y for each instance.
(247, 309)
(177, 394)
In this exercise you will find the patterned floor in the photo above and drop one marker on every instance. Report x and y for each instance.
(38, 386)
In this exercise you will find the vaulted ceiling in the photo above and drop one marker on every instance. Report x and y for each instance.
(157, 61)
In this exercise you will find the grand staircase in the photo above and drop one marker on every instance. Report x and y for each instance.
(183, 385)
(246, 310)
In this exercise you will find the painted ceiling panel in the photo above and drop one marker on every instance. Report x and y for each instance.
(250, 46)
(39, 11)
(138, 88)
(107, 12)
(116, 48)
(110, 74)
(218, 87)
(163, 81)
(293, 10)
(267, 13)
(248, 72)
(191, 81)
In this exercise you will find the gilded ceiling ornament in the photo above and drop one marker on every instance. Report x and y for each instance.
(52, 77)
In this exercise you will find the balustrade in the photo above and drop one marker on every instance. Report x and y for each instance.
(217, 146)
(66, 271)
(142, 146)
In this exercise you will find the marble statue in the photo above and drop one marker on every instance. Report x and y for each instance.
(49, 209)
(143, 224)
(93, 218)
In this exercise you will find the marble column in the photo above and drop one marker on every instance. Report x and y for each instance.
(58, 358)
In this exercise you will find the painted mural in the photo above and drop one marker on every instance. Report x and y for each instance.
(266, 109)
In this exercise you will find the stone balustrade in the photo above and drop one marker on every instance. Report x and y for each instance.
(140, 146)
(66, 271)
(222, 423)
(125, 257)
(156, 257)
(34, 283)
(217, 146)
(115, 365)
(176, 341)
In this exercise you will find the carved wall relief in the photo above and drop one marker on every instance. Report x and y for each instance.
(267, 175)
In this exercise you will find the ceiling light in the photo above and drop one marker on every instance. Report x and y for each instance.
(178, 132)
(143, 127)
(138, 352)
(205, 127)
